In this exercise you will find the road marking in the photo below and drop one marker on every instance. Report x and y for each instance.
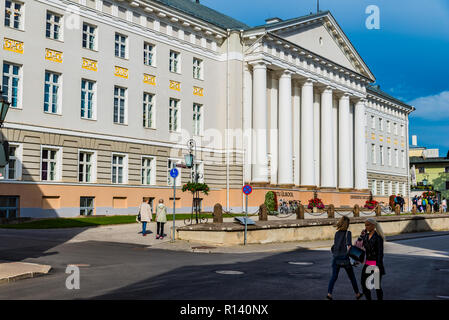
(443, 297)
(229, 272)
(301, 263)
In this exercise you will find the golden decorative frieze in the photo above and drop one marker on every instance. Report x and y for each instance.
(149, 79)
(197, 91)
(53, 55)
(89, 64)
(373, 136)
(395, 142)
(121, 72)
(13, 45)
(175, 85)
(381, 138)
(389, 140)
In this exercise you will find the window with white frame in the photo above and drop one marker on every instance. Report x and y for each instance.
(397, 188)
(173, 115)
(390, 188)
(174, 63)
(120, 45)
(86, 206)
(148, 110)
(148, 170)
(149, 54)
(382, 188)
(395, 125)
(404, 189)
(396, 157)
(13, 169)
(388, 126)
(9, 207)
(119, 105)
(88, 98)
(381, 124)
(373, 122)
(119, 169)
(52, 92)
(197, 119)
(402, 130)
(53, 26)
(197, 68)
(373, 153)
(199, 167)
(374, 187)
(389, 156)
(382, 162)
(50, 163)
(86, 166)
(171, 163)
(403, 159)
(89, 36)
(11, 83)
(14, 14)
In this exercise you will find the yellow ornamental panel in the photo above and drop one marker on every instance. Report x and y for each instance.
(149, 79)
(373, 136)
(396, 142)
(89, 64)
(121, 72)
(175, 85)
(402, 144)
(197, 91)
(389, 140)
(13, 45)
(53, 55)
(381, 138)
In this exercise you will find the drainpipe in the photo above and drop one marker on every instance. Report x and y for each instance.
(243, 114)
(227, 121)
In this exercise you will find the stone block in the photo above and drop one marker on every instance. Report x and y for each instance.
(263, 212)
(218, 213)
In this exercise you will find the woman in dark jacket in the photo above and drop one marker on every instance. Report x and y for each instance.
(342, 243)
(373, 242)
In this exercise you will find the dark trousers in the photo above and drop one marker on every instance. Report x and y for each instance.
(160, 227)
(366, 291)
(334, 277)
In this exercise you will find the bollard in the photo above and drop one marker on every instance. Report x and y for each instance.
(378, 211)
(428, 209)
(331, 211)
(300, 212)
(356, 211)
(218, 213)
(397, 210)
(263, 212)
(414, 209)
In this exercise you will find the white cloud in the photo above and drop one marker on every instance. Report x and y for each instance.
(432, 107)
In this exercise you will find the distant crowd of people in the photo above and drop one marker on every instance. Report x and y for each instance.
(397, 199)
(421, 203)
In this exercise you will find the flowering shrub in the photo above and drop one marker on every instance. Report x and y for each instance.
(428, 194)
(193, 187)
(316, 202)
(371, 204)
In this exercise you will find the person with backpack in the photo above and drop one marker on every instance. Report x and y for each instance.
(340, 257)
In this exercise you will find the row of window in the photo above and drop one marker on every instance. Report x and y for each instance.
(423, 169)
(389, 156)
(385, 188)
(14, 13)
(12, 78)
(381, 126)
(51, 166)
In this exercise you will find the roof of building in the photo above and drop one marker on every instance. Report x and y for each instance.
(292, 20)
(418, 160)
(204, 13)
(376, 90)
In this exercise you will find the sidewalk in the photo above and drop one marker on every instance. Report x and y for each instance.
(13, 271)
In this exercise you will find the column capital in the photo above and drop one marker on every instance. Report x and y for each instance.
(324, 87)
(307, 82)
(259, 64)
(343, 95)
(361, 101)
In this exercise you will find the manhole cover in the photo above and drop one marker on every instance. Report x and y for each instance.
(203, 247)
(300, 263)
(229, 272)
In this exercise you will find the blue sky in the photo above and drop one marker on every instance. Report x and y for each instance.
(409, 54)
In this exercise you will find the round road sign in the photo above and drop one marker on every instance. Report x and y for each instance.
(247, 189)
(174, 172)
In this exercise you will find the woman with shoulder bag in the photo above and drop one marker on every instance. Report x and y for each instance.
(342, 243)
(373, 241)
(161, 219)
(145, 215)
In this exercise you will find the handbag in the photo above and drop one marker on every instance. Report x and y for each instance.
(357, 254)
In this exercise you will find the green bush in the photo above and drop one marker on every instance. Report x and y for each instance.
(270, 201)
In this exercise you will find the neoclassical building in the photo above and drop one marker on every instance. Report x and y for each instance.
(105, 95)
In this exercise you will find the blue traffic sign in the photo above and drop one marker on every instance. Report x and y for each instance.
(174, 172)
(247, 189)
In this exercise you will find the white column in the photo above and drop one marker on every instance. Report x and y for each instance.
(296, 133)
(285, 129)
(316, 136)
(307, 165)
(274, 112)
(360, 169)
(260, 121)
(327, 140)
(344, 144)
(335, 133)
(247, 120)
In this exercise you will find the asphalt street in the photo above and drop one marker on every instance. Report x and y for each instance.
(416, 269)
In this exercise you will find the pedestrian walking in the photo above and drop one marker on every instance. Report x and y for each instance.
(340, 257)
(145, 215)
(444, 204)
(373, 241)
(161, 219)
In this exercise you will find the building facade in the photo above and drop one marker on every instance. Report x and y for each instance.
(105, 95)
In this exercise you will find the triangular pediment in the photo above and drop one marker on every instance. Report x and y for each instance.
(321, 35)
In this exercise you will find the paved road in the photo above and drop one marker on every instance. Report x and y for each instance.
(416, 269)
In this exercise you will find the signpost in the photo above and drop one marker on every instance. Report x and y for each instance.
(247, 189)
(174, 173)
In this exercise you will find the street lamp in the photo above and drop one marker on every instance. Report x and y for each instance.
(4, 107)
(424, 182)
